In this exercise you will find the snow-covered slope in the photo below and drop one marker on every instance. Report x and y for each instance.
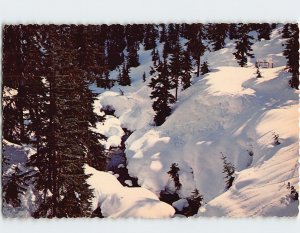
(228, 110)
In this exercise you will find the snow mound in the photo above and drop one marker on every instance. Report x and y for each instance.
(116, 200)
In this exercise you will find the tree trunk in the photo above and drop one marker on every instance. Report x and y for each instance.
(198, 66)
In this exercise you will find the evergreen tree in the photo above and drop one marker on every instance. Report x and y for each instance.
(115, 45)
(286, 31)
(258, 73)
(163, 33)
(124, 78)
(186, 63)
(155, 56)
(174, 174)
(133, 57)
(144, 77)
(291, 52)
(233, 31)
(150, 36)
(160, 92)
(264, 31)
(228, 170)
(195, 202)
(243, 46)
(176, 66)
(218, 35)
(204, 68)
(14, 186)
(196, 47)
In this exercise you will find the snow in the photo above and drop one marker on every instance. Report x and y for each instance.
(227, 110)
(116, 200)
(18, 156)
(180, 204)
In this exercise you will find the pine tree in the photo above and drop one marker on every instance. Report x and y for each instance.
(233, 31)
(204, 68)
(163, 33)
(133, 57)
(155, 56)
(14, 185)
(150, 36)
(258, 73)
(264, 31)
(124, 78)
(174, 174)
(144, 77)
(243, 46)
(291, 52)
(176, 66)
(228, 170)
(218, 35)
(195, 202)
(186, 64)
(286, 31)
(160, 92)
(196, 47)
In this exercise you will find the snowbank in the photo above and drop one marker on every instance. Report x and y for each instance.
(116, 200)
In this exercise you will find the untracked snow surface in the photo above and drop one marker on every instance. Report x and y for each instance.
(227, 111)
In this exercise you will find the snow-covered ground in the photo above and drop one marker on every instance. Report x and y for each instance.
(228, 110)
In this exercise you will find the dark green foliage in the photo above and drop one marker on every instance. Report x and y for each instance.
(160, 92)
(243, 46)
(291, 52)
(174, 174)
(204, 68)
(228, 170)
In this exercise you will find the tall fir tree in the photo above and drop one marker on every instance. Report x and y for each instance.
(264, 31)
(196, 47)
(291, 52)
(176, 65)
(243, 46)
(218, 35)
(160, 86)
(229, 171)
(186, 63)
